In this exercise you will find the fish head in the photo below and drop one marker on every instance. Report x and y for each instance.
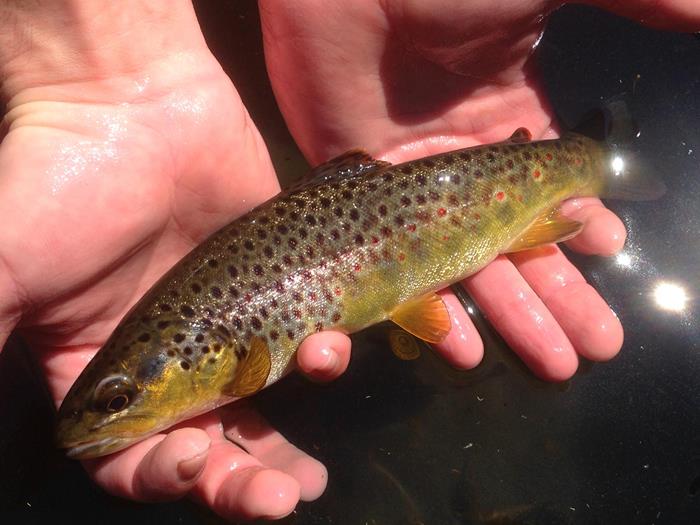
(145, 380)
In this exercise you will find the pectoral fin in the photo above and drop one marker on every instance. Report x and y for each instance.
(403, 345)
(252, 370)
(425, 317)
(548, 228)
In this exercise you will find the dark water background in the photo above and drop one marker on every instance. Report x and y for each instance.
(417, 442)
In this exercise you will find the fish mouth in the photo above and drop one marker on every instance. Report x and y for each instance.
(97, 448)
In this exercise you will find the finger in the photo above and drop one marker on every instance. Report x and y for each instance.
(677, 15)
(603, 232)
(523, 320)
(585, 317)
(247, 428)
(462, 347)
(324, 356)
(160, 468)
(235, 485)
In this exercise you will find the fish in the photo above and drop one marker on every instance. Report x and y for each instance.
(357, 242)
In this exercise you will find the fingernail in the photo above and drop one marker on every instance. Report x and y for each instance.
(331, 359)
(190, 468)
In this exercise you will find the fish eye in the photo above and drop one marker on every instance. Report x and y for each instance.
(114, 394)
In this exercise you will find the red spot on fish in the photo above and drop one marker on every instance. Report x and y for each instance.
(477, 217)
(375, 240)
(445, 237)
(358, 267)
(402, 256)
(500, 196)
(313, 296)
(549, 156)
(297, 313)
(520, 198)
(441, 212)
(578, 161)
(338, 291)
(411, 227)
(536, 174)
(248, 298)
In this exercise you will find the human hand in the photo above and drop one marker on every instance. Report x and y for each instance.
(408, 79)
(124, 145)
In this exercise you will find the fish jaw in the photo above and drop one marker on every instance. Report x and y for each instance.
(98, 448)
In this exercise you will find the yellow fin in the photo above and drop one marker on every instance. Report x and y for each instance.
(403, 345)
(550, 227)
(252, 371)
(521, 135)
(426, 318)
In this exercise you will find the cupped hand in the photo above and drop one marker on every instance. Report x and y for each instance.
(107, 180)
(410, 78)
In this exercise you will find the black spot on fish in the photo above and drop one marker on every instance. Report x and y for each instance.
(196, 287)
(347, 195)
(204, 349)
(255, 323)
(199, 338)
(145, 337)
(292, 243)
(171, 353)
(258, 270)
(274, 335)
(354, 214)
(179, 338)
(268, 252)
(429, 163)
(162, 324)
(213, 263)
(216, 292)
(325, 202)
(359, 240)
(187, 310)
(407, 170)
(232, 248)
(232, 271)
(237, 323)
(310, 220)
(335, 234)
(248, 244)
(303, 233)
(262, 234)
(338, 212)
(212, 360)
(421, 180)
(187, 350)
(165, 307)
(405, 201)
(185, 365)
(282, 229)
(280, 211)
(233, 291)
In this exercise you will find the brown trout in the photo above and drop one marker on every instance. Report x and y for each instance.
(360, 241)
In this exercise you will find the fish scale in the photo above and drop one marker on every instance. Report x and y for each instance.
(343, 250)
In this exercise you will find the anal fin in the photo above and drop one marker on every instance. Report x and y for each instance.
(425, 317)
(550, 227)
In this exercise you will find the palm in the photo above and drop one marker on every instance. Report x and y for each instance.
(104, 198)
(119, 193)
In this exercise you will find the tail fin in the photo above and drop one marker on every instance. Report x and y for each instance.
(628, 176)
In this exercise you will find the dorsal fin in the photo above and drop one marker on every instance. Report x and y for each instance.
(349, 164)
(520, 135)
